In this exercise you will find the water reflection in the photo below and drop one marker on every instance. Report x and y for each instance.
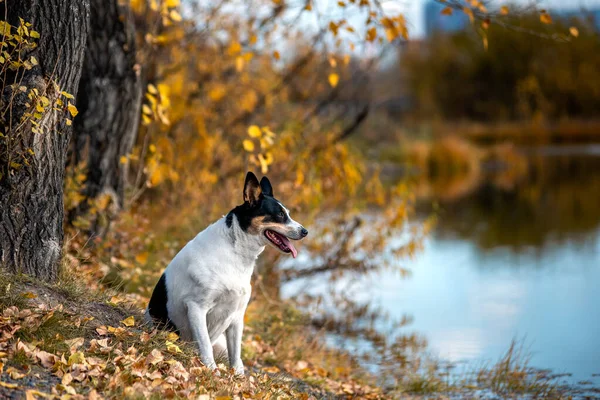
(513, 255)
(556, 202)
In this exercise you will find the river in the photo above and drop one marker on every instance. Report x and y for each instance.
(511, 257)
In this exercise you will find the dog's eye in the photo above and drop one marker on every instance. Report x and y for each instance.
(281, 214)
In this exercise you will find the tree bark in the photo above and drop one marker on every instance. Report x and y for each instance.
(109, 101)
(31, 196)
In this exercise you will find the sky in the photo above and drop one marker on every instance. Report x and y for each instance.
(413, 9)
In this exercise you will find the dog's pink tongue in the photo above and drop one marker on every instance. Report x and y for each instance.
(290, 246)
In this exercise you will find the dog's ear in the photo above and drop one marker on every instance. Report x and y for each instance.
(266, 187)
(252, 190)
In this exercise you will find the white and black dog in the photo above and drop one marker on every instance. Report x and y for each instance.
(204, 291)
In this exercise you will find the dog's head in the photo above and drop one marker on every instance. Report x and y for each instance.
(263, 215)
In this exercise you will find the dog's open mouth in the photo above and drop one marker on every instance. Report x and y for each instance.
(281, 242)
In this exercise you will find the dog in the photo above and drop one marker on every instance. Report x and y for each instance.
(204, 291)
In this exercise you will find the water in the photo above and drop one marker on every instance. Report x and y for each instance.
(513, 256)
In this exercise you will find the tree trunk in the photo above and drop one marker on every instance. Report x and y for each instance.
(109, 102)
(32, 164)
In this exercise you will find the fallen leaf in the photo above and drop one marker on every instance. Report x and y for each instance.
(172, 347)
(129, 321)
(76, 358)
(15, 373)
(67, 379)
(74, 344)
(154, 357)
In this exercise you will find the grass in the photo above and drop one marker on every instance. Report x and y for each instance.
(512, 375)
(285, 359)
(84, 330)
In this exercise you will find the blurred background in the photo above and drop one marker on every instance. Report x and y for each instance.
(444, 155)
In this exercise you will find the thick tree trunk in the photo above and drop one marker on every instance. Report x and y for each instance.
(109, 101)
(31, 194)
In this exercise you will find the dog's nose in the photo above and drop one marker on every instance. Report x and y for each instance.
(304, 232)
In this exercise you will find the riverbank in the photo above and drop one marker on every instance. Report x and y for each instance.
(66, 340)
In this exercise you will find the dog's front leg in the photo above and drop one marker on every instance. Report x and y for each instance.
(233, 334)
(197, 317)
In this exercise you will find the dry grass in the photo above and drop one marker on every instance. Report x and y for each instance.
(512, 376)
(41, 320)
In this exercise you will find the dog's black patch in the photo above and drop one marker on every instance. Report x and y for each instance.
(267, 207)
(258, 202)
(158, 305)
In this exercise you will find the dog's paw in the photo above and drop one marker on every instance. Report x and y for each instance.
(238, 369)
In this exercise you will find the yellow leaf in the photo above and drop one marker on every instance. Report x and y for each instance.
(172, 3)
(175, 16)
(371, 34)
(9, 385)
(545, 18)
(248, 145)
(172, 347)
(172, 336)
(333, 27)
(76, 358)
(33, 394)
(504, 10)
(239, 64)
(142, 258)
(447, 11)
(254, 131)
(152, 89)
(146, 109)
(334, 79)
(129, 321)
(72, 109)
(234, 48)
(123, 160)
(67, 95)
(217, 93)
(574, 31)
(69, 122)
(29, 295)
(152, 148)
(469, 13)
